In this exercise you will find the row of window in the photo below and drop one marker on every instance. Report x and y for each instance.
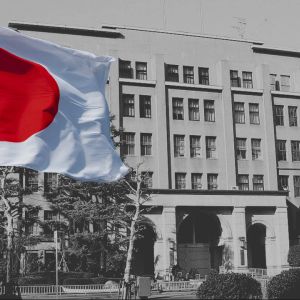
(279, 115)
(126, 70)
(128, 105)
(281, 150)
(196, 181)
(241, 148)
(31, 181)
(138, 70)
(257, 182)
(194, 109)
(239, 113)
(283, 184)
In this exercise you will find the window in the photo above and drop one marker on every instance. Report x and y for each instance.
(31, 180)
(211, 150)
(241, 149)
(177, 108)
(188, 74)
(297, 186)
(239, 113)
(147, 179)
(194, 110)
(146, 143)
(254, 113)
(141, 70)
(285, 83)
(145, 106)
(209, 110)
(243, 182)
(203, 76)
(180, 181)
(196, 181)
(128, 105)
(278, 115)
(172, 73)
(31, 227)
(281, 149)
(234, 78)
(258, 182)
(125, 70)
(49, 215)
(195, 149)
(51, 181)
(178, 145)
(128, 143)
(295, 145)
(283, 182)
(293, 116)
(274, 83)
(256, 148)
(212, 183)
(247, 80)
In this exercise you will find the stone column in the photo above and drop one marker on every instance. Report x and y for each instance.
(169, 237)
(240, 261)
(282, 236)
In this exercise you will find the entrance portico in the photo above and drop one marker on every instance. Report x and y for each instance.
(208, 230)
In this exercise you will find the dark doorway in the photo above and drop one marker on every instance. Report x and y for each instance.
(256, 236)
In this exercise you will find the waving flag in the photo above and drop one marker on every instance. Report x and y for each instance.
(53, 112)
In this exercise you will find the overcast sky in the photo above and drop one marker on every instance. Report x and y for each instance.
(275, 22)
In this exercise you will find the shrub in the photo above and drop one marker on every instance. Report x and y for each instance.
(229, 286)
(286, 285)
(294, 256)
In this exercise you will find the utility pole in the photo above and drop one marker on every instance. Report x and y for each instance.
(56, 261)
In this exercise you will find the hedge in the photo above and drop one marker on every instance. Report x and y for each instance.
(285, 285)
(294, 256)
(229, 286)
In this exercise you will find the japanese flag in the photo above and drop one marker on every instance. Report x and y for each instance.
(53, 112)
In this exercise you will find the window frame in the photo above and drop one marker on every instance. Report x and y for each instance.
(283, 182)
(194, 109)
(211, 147)
(128, 143)
(296, 181)
(254, 113)
(256, 151)
(128, 105)
(293, 116)
(195, 146)
(180, 181)
(177, 109)
(188, 74)
(234, 78)
(295, 148)
(171, 72)
(203, 74)
(179, 145)
(243, 182)
(247, 80)
(140, 73)
(196, 181)
(125, 71)
(281, 151)
(146, 144)
(209, 110)
(258, 182)
(239, 112)
(145, 108)
(241, 148)
(212, 181)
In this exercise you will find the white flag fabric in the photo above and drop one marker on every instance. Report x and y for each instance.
(53, 112)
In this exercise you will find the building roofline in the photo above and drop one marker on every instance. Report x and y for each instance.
(276, 51)
(218, 192)
(63, 29)
(111, 26)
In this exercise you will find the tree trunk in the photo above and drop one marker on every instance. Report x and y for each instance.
(9, 248)
(126, 288)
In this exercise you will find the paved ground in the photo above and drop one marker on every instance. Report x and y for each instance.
(165, 295)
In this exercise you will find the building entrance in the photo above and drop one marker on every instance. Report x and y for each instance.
(256, 236)
(198, 243)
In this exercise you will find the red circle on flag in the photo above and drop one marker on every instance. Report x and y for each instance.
(29, 98)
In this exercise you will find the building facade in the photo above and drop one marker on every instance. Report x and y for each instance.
(215, 122)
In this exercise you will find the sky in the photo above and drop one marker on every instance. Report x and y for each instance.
(274, 22)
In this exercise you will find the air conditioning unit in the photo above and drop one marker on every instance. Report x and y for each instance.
(235, 188)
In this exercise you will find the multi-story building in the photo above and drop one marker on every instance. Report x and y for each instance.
(215, 122)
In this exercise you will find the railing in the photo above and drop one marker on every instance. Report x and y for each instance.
(99, 288)
(254, 272)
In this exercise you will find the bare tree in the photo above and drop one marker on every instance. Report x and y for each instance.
(139, 196)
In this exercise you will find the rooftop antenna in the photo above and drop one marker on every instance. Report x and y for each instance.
(240, 26)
